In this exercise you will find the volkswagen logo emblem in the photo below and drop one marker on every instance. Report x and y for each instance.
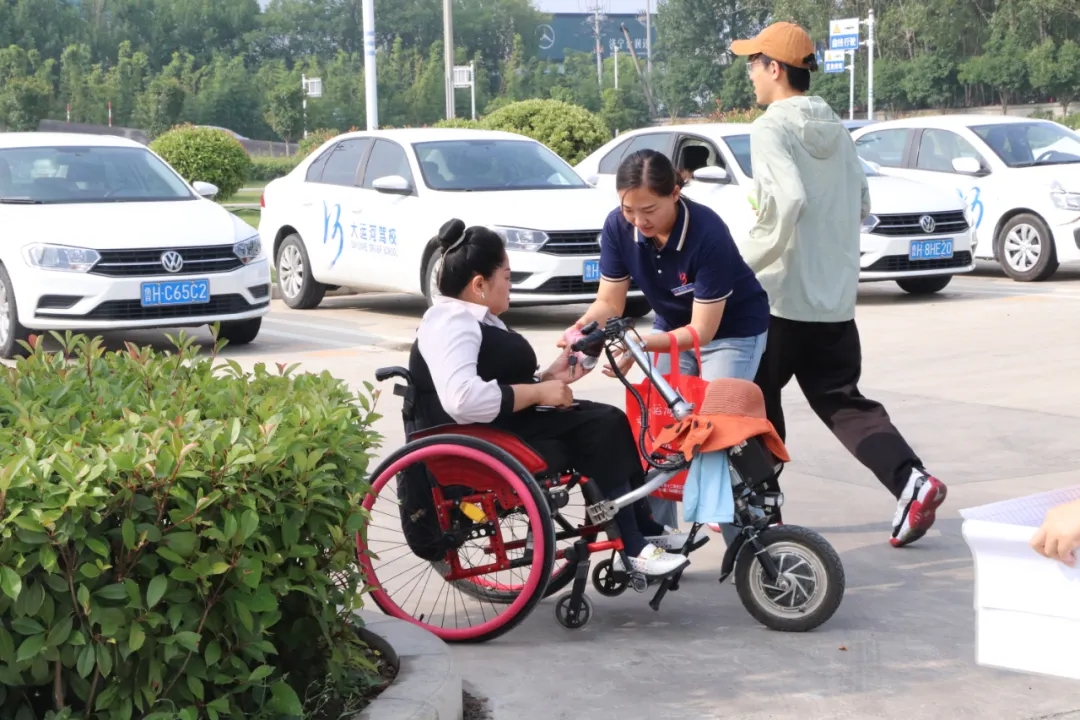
(172, 261)
(926, 222)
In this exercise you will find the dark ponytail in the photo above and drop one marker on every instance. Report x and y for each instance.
(648, 169)
(467, 253)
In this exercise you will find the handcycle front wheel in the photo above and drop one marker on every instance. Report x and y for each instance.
(810, 585)
(495, 483)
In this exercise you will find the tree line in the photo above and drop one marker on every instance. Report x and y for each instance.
(155, 63)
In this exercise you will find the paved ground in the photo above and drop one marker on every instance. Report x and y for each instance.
(981, 378)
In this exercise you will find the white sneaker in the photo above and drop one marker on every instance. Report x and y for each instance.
(672, 540)
(652, 562)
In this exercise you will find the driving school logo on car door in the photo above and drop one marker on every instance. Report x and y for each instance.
(364, 237)
(974, 203)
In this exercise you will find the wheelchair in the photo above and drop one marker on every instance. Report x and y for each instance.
(493, 530)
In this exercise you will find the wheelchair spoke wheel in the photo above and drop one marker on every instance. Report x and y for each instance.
(460, 538)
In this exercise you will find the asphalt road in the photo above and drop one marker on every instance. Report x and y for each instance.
(982, 379)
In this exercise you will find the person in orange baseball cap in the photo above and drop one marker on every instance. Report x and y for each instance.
(812, 196)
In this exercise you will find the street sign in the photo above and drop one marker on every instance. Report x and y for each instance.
(835, 61)
(312, 87)
(844, 34)
(463, 76)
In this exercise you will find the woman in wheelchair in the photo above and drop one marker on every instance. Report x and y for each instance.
(468, 367)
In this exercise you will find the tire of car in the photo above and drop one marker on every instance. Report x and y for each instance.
(428, 277)
(636, 308)
(299, 289)
(11, 331)
(1021, 238)
(924, 285)
(240, 332)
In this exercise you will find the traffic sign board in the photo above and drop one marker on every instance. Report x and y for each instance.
(835, 61)
(844, 34)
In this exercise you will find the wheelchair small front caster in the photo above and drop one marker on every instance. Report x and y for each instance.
(605, 580)
(569, 618)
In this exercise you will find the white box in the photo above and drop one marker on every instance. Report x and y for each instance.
(1027, 607)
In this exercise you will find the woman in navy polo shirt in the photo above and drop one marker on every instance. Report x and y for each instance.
(687, 265)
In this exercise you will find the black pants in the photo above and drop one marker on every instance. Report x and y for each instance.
(826, 360)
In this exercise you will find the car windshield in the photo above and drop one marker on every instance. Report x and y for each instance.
(86, 174)
(488, 165)
(1024, 144)
(740, 147)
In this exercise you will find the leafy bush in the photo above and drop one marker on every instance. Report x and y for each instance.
(206, 154)
(737, 115)
(1071, 121)
(265, 169)
(314, 139)
(457, 122)
(177, 536)
(570, 130)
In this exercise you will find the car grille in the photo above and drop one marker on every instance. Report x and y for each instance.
(572, 243)
(123, 310)
(899, 263)
(946, 223)
(566, 286)
(205, 260)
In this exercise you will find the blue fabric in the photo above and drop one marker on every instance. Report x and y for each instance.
(699, 263)
(707, 495)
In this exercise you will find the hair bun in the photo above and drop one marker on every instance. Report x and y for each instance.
(451, 233)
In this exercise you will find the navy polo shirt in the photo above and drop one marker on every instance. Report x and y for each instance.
(700, 262)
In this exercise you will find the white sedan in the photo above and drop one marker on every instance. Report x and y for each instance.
(101, 234)
(1019, 177)
(364, 209)
(917, 235)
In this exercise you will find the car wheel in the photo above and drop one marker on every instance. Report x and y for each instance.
(299, 289)
(431, 276)
(240, 332)
(636, 308)
(1026, 249)
(11, 332)
(924, 285)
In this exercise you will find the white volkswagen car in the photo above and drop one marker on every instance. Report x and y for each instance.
(363, 210)
(1019, 177)
(101, 234)
(917, 235)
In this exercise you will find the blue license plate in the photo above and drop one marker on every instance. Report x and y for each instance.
(930, 250)
(175, 292)
(591, 271)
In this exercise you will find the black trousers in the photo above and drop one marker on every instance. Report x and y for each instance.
(826, 360)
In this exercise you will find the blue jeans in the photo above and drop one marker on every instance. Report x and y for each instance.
(722, 358)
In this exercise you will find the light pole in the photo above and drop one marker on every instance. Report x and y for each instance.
(448, 55)
(371, 88)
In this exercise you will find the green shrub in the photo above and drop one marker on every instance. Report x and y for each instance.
(1071, 121)
(206, 154)
(735, 115)
(570, 130)
(314, 139)
(265, 169)
(457, 122)
(177, 536)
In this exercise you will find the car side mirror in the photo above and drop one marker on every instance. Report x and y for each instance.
(205, 189)
(392, 185)
(712, 174)
(967, 165)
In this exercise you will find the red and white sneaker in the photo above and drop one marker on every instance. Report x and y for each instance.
(916, 509)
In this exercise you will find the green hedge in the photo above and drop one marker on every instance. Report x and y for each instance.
(570, 130)
(314, 139)
(177, 537)
(206, 154)
(265, 169)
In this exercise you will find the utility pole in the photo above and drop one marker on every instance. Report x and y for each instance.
(870, 66)
(371, 87)
(648, 37)
(448, 55)
(595, 23)
(851, 91)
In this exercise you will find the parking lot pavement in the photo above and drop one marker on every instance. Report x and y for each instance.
(981, 379)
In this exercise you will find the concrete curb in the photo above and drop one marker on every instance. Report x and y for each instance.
(428, 685)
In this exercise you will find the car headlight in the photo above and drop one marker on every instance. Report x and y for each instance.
(869, 223)
(60, 257)
(520, 239)
(248, 250)
(1063, 200)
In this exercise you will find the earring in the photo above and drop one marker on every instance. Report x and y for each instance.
(483, 295)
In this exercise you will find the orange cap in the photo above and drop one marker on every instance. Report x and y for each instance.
(784, 42)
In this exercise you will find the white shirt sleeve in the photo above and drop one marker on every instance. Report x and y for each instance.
(450, 344)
